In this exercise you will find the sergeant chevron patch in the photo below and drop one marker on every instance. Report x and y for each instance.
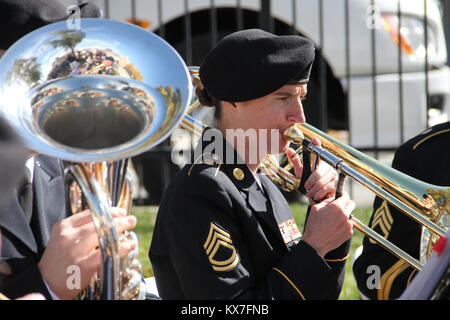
(383, 219)
(220, 250)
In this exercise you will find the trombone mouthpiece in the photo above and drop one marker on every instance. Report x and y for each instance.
(294, 134)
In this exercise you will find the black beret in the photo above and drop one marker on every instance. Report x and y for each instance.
(252, 63)
(19, 17)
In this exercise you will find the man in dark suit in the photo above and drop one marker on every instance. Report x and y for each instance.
(39, 243)
(12, 160)
(425, 157)
(223, 231)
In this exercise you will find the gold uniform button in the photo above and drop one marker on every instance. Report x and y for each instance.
(238, 174)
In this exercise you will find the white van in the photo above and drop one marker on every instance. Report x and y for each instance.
(376, 103)
(386, 91)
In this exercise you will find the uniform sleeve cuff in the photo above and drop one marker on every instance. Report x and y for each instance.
(307, 274)
(52, 294)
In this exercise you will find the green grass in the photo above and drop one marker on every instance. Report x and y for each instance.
(146, 217)
(146, 220)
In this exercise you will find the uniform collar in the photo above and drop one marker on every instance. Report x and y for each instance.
(50, 167)
(268, 204)
(213, 148)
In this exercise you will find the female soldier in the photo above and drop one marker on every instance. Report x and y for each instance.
(225, 232)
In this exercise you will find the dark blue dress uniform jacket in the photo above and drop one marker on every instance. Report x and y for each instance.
(217, 236)
(23, 241)
(425, 157)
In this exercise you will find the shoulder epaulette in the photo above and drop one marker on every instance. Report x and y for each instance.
(209, 159)
(430, 135)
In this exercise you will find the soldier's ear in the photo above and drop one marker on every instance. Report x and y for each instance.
(229, 105)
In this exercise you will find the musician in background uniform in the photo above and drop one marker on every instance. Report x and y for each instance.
(425, 157)
(39, 242)
(12, 160)
(223, 231)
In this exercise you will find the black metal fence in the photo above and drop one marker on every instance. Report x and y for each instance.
(199, 27)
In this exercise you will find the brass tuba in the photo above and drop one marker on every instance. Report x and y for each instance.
(94, 97)
(427, 204)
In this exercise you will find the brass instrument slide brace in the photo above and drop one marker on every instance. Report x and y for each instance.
(345, 170)
(332, 160)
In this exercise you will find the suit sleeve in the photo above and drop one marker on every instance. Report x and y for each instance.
(209, 248)
(19, 275)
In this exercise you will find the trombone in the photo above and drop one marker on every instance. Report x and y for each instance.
(427, 204)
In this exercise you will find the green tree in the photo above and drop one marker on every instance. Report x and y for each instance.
(69, 39)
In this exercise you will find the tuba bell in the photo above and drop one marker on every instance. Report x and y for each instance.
(94, 97)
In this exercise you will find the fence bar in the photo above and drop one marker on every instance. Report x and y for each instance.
(374, 85)
(347, 74)
(294, 16)
(162, 26)
(213, 24)
(265, 16)
(427, 90)
(322, 74)
(347, 62)
(133, 11)
(446, 13)
(187, 33)
(239, 16)
(106, 9)
(400, 72)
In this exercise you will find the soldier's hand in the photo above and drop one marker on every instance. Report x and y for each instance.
(321, 184)
(74, 242)
(328, 224)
